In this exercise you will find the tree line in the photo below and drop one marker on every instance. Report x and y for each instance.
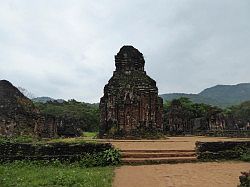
(180, 116)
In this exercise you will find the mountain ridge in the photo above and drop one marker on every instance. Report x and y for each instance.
(45, 99)
(218, 95)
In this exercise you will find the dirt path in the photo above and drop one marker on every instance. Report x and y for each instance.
(177, 143)
(212, 174)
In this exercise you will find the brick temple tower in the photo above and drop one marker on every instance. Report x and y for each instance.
(130, 104)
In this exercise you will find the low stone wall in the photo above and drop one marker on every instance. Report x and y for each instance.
(59, 151)
(224, 133)
(214, 133)
(221, 150)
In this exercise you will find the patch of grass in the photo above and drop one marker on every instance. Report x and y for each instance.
(90, 134)
(70, 140)
(19, 139)
(24, 173)
(87, 137)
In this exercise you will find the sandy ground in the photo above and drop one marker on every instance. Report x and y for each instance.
(212, 174)
(176, 143)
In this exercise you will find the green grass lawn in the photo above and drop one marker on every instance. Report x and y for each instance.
(86, 137)
(25, 174)
(90, 134)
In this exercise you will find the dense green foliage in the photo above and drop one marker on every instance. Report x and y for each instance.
(221, 95)
(190, 109)
(25, 173)
(86, 116)
(196, 98)
(82, 115)
(241, 111)
(105, 158)
(245, 155)
(184, 110)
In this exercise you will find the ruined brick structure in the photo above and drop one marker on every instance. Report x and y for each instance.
(180, 120)
(19, 116)
(130, 104)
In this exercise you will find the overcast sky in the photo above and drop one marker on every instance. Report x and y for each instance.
(65, 48)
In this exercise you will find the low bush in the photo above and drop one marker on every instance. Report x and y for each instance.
(245, 156)
(111, 156)
(105, 158)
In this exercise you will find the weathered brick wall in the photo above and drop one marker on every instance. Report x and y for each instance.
(130, 103)
(221, 150)
(19, 116)
(60, 151)
(224, 133)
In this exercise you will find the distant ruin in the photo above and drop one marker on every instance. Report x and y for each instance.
(130, 104)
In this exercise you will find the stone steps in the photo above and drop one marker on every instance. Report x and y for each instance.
(136, 157)
(158, 151)
(156, 155)
(165, 160)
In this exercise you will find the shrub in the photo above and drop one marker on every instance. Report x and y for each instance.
(245, 156)
(111, 156)
(244, 179)
(105, 158)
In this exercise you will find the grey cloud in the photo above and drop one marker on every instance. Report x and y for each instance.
(65, 49)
